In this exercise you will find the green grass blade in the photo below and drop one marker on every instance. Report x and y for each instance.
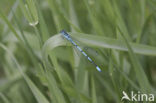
(94, 97)
(140, 74)
(4, 98)
(97, 41)
(4, 18)
(30, 12)
(38, 95)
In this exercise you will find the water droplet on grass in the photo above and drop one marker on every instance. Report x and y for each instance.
(33, 23)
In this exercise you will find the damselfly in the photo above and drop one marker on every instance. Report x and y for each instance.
(67, 36)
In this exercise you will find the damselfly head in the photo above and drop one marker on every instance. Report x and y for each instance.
(63, 32)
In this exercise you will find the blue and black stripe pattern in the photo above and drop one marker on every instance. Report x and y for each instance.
(67, 36)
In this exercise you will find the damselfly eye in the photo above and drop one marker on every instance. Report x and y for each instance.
(64, 33)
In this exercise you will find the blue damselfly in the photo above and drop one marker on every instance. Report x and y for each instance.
(67, 36)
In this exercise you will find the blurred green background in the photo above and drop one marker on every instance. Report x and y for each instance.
(38, 66)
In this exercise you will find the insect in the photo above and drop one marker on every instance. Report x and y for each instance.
(67, 36)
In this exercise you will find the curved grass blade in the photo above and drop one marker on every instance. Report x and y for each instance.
(98, 42)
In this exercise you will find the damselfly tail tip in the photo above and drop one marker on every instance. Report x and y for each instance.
(98, 68)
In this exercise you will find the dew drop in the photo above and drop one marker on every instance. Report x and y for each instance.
(33, 23)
